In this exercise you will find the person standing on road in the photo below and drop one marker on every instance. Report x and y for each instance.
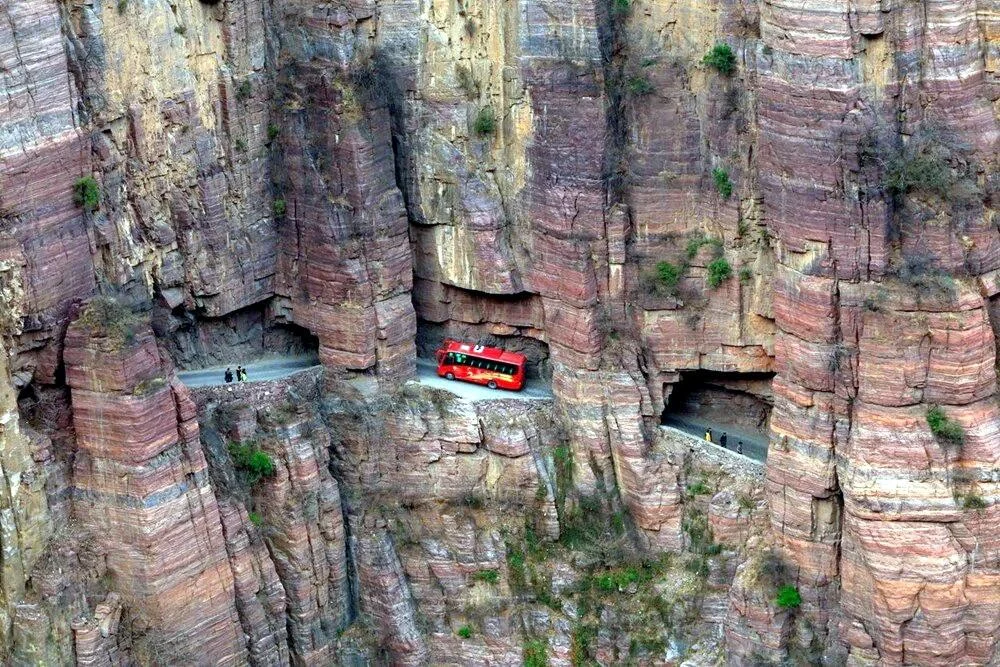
(708, 435)
(723, 439)
(239, 373)
(739, 447)
(229, 375)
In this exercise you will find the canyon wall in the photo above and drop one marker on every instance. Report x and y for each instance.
(813, 208)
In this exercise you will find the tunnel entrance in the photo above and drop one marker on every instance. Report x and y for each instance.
(251, 333)
(431, 335)
(734, 405)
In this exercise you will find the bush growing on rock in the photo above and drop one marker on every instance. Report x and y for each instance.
(535, 653)
(718, 271)
(722, 58)
(973, 501)
(638, 86)
(280, 207)
(87, 194)
(254, 463)
(722, 182)
(487, 576)
(663, 280)
(695, 243)
(943, 427)
(620, 7)
(485, 123)
(788, 597)
(111, 318)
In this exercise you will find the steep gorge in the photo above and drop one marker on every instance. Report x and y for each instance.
(566, 178)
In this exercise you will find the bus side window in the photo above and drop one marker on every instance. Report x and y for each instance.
(450, 358)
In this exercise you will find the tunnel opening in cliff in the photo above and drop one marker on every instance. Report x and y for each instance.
(430, 336)
(244, 335)
(735, 404)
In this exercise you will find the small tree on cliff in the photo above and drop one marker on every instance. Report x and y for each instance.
(722, 58)
(87, 194)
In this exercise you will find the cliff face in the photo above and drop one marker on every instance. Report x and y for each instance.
(808, 217)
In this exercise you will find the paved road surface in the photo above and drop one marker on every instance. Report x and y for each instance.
(264, 369)
(279, 367)
(427, 375)
(754, 445)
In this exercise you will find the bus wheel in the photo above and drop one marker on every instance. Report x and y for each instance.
(491, 384)
(449, 376)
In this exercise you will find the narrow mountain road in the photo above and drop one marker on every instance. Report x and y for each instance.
(754, 445)
(279, 367)
(534, 389)
(263, 369)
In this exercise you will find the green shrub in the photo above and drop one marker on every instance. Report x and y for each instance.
(485, 123)
(181, 30)
(924, 169)
(87, 194)
(280, 207)
(943, 427)
(254, 463)
(722, 58)
(746, 275)
(695, 243)
(583, 637)
(973, 501)
(638, 86)
(722, 182)
(788, 597)
(240, 145)
(256, 519)
(667, 274)
(487, 576)
(244, 90)
(718, 271)
(465, 632)
(699, 488)
(272, 131)
(111, 318)
(122, 6)
(620, 7)
(516, 568)
(535, 653)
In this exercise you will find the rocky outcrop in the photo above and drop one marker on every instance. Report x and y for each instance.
(346, 264)
(285, 531)
(141, 487)
(572, 179)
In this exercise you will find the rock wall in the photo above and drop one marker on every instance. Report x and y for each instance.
(570, 178)
(141, 487)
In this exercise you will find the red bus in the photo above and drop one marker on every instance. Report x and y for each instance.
(491, 366)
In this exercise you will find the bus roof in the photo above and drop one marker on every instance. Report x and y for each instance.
(485, 352)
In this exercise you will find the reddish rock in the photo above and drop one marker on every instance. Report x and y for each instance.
(141, 487)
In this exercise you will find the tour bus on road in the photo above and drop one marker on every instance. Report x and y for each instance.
(491, 366)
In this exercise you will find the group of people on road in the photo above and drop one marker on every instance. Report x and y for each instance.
(241, 374)
(724, 441)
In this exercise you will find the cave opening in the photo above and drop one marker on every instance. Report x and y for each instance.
(431, 335)
(734, 405)
(242, 336)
